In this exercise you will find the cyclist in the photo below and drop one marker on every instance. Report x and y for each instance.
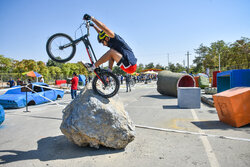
(119, 49)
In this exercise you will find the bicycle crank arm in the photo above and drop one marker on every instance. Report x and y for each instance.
(100, 76)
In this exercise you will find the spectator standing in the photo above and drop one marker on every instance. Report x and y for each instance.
(42, 80)
(11, 82)
(74, 84)
(121, 79)
(19, 82)
(29, 81)
(128, 79)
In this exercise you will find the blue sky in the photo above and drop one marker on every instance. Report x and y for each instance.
(152, 28)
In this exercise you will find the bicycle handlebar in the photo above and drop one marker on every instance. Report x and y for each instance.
(87, 25)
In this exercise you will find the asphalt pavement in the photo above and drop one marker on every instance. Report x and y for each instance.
(165, 136)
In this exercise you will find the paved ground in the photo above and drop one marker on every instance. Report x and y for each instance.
(34, 139)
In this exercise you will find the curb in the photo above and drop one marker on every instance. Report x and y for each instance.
(208, 101)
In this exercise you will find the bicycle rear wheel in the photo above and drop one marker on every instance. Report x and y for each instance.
(60, 47)
(112, 84)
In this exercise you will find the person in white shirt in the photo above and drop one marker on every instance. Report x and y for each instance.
(42, 80)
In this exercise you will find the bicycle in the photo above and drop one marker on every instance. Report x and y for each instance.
(61, 48)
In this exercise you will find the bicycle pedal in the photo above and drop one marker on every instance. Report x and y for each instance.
(97, 70)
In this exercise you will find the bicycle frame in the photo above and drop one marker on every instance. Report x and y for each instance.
(90, 52)
(88, 47)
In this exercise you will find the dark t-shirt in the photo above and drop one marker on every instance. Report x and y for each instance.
(12, 83)
(118, 44)
(128, 78)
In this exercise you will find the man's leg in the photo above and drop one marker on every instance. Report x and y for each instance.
(75, 91)
(109, 55)
(111, 62)
(72, 95)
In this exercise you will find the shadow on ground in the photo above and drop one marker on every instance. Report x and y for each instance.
(170, 107)
(159, 97)
(53, 148)
(206, 125)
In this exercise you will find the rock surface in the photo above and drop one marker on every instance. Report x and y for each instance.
(93, 120)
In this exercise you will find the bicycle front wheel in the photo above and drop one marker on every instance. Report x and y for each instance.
(109, 88)
(60, 48)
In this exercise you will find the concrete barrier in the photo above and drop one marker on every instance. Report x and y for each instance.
(168, 82)
(189, 97)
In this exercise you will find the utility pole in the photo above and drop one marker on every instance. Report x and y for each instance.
(168, 60)
(188, 61)
(218, 49)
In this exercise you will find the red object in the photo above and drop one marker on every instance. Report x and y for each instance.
(130, 69)
(74, 83)
(59, 82)
(233, 106)
(196, 81)
(186, 81)
(215, 78)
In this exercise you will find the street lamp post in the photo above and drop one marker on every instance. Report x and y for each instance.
(2, 65)
(219, 61)
(219, 57)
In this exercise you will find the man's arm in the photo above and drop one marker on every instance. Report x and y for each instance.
(98, 30)
(103, 27)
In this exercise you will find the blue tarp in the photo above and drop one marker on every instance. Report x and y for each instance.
(82, 79)
(37, 74)
(2, 115)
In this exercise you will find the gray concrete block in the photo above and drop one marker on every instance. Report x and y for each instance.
(189, 97)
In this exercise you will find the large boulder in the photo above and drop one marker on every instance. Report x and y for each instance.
(93, 120)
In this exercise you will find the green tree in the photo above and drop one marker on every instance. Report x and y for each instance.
(5, 64)
(55, 72)
(74, 68)
(202, 51)
(172, 67)
(180, 68)
(140, 67)
(240, 53)
(82, 69)
(66, 70)
(27, 65)
(158, 66)
(149, 66)
(43, 70)
(54, 63)
(118, 71)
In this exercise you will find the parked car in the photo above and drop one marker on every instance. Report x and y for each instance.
(2, 114)
(15, 98)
